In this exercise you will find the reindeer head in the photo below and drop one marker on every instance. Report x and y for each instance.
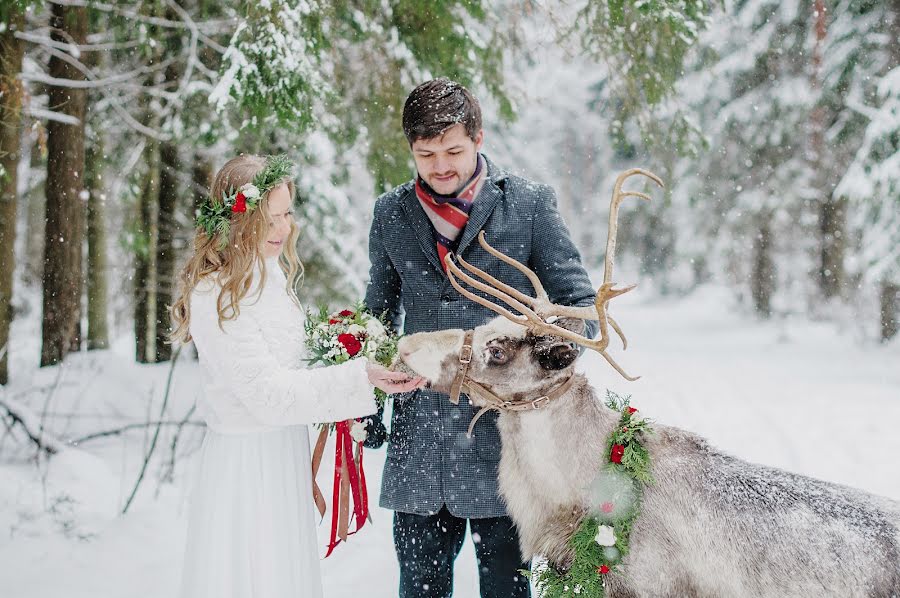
(519, 353)
(507, 358)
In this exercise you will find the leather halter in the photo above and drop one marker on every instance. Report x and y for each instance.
(462, 374)
(495, 403)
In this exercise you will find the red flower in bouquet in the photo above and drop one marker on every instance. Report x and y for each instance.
(339, 317)
(240, 203)
(618, 451)
(350, 343)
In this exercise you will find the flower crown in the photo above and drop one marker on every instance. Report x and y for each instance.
(215, 218)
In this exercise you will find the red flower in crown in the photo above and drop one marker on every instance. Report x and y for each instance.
(602, 569)
(616, 454)
(631, 410)
(240, 203)
(350, 342)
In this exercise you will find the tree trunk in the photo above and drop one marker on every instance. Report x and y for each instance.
(831, 212)
(11, 51)
(201, 182)
(165, 246)
(890, 297)
(34, 203)
(98, 331)
(762, 280)
(65, 208)
(832, 216)
(144, 258)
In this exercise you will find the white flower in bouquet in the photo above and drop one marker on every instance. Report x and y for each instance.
(606, 536)
(375, 329)
(358, 431)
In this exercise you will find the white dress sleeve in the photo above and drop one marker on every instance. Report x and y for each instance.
(241, 360)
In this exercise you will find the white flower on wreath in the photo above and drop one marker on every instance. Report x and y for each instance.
(356, 330)
(606, 536)
(250, 191)
(358, 431)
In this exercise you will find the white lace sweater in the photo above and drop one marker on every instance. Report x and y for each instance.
(254, 376)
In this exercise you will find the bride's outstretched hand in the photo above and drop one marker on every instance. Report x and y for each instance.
(392, 382)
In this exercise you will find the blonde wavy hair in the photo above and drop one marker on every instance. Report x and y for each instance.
(233, 264)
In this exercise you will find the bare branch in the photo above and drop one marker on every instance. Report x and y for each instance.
(155, 439)
(135, 426)
(39, 113)
(169, 475)
(94, 82)
(25, 419)
(40, 40)
(211, 27)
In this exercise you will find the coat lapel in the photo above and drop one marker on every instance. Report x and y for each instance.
(484, 205)
(422, 227)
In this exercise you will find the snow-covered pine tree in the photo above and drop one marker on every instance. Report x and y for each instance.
(296, 68)
(645, 45)
(871, 183)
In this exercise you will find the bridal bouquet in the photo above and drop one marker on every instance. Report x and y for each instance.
(333, 338)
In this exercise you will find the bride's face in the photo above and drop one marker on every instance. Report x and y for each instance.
(280, 218)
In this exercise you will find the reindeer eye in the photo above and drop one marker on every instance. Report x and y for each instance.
(497, 355)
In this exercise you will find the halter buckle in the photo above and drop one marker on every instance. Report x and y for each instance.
(465, 355)
(540, 402)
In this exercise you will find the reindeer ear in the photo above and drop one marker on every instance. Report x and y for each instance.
(555, 353)
(573, 324)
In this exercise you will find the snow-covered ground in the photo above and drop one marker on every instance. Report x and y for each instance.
(792, 394)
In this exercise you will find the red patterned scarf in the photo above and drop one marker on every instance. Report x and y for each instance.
(450, 213)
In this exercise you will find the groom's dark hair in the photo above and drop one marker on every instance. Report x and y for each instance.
(435, 106)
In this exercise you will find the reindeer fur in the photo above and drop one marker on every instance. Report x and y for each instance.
(711, 525)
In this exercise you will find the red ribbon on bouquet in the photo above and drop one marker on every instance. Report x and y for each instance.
(349, 479)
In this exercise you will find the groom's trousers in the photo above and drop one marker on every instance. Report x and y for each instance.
(427, 545)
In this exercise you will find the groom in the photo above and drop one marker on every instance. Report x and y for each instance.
(437, 480)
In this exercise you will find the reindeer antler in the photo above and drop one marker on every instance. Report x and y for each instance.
(535, 310)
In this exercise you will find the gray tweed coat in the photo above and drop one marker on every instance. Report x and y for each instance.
(430, 461)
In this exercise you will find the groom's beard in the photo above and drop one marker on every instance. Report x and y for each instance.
(463, 179)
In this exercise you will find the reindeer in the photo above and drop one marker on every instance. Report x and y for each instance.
(710, 525)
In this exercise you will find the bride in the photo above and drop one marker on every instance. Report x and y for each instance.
(251, 528)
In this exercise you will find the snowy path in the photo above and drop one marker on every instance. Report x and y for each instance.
(792, 395)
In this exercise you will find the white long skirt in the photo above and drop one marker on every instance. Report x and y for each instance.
(251, 527)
